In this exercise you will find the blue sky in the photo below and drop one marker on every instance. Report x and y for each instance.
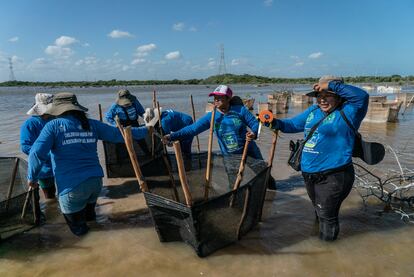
(92, 40)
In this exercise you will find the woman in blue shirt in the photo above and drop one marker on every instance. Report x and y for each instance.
(127, 108)
(29, 132)
(72, 139)
(230, 126)
(327, 156)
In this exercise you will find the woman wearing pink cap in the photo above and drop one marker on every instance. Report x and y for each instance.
(230, 125)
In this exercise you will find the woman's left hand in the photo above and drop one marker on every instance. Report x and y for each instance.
(250, 135)
(32, 184)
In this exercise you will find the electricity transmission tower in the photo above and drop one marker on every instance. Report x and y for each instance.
(11, 74)
(222, 65)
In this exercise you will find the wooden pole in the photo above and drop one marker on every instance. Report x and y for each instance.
(270, 164)
(36, 206)
(210, 146)
(26, 202)
(100, 112)
(242, 166)
(241, 170)
(165, 159)
(12, 181)
(194, 120)
(120, 128)
(181, 173)
(154, 99)
(154, 105)
(130, 147)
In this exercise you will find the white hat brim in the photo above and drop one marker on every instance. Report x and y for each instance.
(38, 109)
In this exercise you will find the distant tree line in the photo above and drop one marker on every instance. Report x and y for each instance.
(216, 79)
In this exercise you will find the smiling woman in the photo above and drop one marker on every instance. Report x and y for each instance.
(326, 158)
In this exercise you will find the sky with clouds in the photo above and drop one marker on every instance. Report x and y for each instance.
(163, 39)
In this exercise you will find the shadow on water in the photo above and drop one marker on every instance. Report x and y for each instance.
(122, 190)
(289, 219)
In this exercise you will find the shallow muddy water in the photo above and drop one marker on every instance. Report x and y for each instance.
(124, 241)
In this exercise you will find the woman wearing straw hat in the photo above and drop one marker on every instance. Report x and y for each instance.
(72, 139)
(127, 108)
(29, 132)
(326, 159)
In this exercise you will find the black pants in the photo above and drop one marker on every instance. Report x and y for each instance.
(327, 190)
(77, 221)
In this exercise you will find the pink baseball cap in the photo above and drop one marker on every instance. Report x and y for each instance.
(222, 90)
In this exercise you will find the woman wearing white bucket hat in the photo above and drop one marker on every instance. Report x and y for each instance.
(29, 132)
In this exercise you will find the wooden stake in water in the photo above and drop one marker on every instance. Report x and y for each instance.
(100, 112)
(269, 170)
(181, 172)
(241, 170)
(209, 155)
(12, 181)
(165, 159)
(130, 147)
(194, 120)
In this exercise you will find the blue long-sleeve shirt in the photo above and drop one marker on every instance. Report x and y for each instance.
(172, 121)
(230, 129)
(332, 143)
(29, 132)
(135, 110)
(73, 150)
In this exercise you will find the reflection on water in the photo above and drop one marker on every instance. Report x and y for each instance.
(125, 242)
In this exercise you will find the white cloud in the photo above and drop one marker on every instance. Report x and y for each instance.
(315, 55)
(192, 29)
(240, 61)
(146, 47)
(40, 61)
(294, 57)
(299, 64)
(235, 62)
(65, 41)
(86, 44)
(59, 52)
(141, 54)
(138, 61)
(178, 26)
(173, 55)
(211, 63)
(13, 39)
(268, 3)
(87, 61)
(120, 34)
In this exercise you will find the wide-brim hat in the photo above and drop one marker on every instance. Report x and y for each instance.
(222, 90)
(64, 102)
(42, 103)
(315, 93)
(151, 116)
(125, 98)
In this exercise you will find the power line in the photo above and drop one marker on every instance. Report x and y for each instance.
(11, 74)
(222, 64)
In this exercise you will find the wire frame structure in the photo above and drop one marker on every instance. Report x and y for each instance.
(395, 188)
(222, 219)
(19, 207)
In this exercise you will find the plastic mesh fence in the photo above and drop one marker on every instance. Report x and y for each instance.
(118, 164)
(208, 225)
(11, 208)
